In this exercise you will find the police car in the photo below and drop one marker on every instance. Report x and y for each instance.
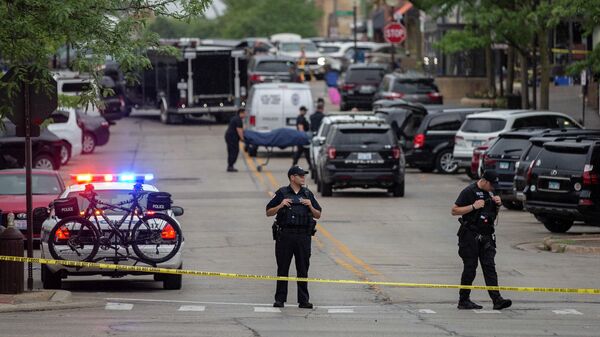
(111, 188)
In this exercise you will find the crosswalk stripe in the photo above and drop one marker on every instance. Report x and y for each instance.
(118, 306)
(266, 309)
(191, 308)
(487, 311)
(340, 311)
(567, 312)
(426, 311)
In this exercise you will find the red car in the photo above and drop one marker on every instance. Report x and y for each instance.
(46, 186)
(478, 154)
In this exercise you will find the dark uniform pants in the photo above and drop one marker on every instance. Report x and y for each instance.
(290, 245)
(473, 249)
(233, 149)
(299, 151)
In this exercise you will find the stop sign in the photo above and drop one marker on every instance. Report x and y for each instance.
(394, 33)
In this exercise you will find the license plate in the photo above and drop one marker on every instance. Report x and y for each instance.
(365, 156)
(476, 143)
(367, 89)
(503, 165)
(554, 185)
(21, 224)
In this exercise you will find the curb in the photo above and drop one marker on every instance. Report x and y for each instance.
(46, 306)
(560, 246)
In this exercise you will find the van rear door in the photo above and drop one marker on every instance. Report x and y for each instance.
(293, 99)
(269, 109)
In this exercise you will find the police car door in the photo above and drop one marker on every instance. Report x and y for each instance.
(293, 99)
(269, 109)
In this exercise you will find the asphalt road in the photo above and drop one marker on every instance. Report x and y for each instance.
(362, 235)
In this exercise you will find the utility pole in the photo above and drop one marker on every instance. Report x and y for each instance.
(354, 19)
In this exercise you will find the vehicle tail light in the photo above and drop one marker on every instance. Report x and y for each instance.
(589, 176)
(530, 172)
(168, 233)
(435, 96)
(586, 202)
(396, 152)
(181, 102)
(331, 152)
(105, 124)
(393, 95)
(253, 120)
(348, 86)
(255, 78)
(419, 141)
(63, 233)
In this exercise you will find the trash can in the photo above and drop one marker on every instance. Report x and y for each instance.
(12, 276)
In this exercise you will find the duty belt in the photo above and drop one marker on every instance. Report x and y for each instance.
(295, 230)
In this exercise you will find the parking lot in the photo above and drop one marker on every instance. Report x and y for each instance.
(363, 235)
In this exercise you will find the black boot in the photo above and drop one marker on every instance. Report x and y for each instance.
(468, 305)
(501, 303)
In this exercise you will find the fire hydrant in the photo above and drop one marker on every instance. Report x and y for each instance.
(12, 276)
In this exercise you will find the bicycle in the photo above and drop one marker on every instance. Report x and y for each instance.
(155, 237)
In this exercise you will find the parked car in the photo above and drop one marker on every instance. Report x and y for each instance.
(64, 125)
(276, 105)
(563, 183)
(480, 129)
(294, 48)
(474, 172)
(405, 121)
(45, 152)
(319, 138)
(359, 85)
(95, 130)
(344, 51)
(530, 152)
(46, 186)
(361, 155)
(271, 68)
(433, 142)
(409, 86)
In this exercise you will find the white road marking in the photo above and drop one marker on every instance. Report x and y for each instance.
(123, 299)
(191, 308)
(340, 311)
(266, 309)
(567, 312)
(118, 306)
(426, 311)
(487, 311)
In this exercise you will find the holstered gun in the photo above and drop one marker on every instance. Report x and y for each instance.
(276, 229)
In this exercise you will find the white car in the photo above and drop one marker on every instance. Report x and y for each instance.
(315, 61)
(344, 51)
(276, 105)
(112, 192)
(66, 128)
(479, 129)
(319, 138)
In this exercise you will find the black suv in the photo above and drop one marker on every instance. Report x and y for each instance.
(359, 85)
(563, 183)
(271, 68)
(530, 152)
(361, 155)
(409, 86)
(45, 149)
(434, 140)
(502, 156)
(405, 121)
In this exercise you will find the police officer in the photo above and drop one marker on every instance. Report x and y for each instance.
(233, 135)
(317, 117)
(296, 208)
(302, 125)
(478, 208)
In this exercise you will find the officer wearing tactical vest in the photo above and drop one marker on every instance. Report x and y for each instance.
(478, 208)
(296, 209)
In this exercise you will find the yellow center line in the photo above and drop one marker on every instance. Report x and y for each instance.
(251, 166)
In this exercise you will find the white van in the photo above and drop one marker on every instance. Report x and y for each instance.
(276, 105)
(479, 129)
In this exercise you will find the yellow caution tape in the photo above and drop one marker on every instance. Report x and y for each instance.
(78, 264)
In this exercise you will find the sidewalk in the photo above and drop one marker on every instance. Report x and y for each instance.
(41, 300)
(584, 244)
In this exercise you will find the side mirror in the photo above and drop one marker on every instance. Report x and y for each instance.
(177, 211)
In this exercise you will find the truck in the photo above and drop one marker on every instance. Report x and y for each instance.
(199, 81)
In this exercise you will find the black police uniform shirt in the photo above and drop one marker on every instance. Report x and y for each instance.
(468, 196)
(303, 193)
(234, 124)
(301, 120)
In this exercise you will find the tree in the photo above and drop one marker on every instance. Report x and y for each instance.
(34, 30)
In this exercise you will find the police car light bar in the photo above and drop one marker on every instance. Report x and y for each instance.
(109, 177)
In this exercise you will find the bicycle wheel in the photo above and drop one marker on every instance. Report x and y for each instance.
(156, 238)
(74, 239)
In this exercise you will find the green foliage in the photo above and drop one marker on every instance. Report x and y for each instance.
(34, 30)
(197, 27)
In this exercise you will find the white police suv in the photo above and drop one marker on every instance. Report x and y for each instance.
(110, 188)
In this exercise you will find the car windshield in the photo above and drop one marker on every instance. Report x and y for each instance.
(110, 197)
(364, 137)
(561, 160)
(329, 49)
(508, 146)
(297, 46)
(414, 87)
(14, 184)
(364, 75)
(275, 66)
(483, 125)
